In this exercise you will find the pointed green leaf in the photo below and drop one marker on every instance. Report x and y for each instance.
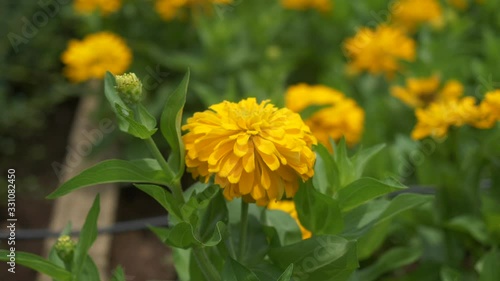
(326, 175)
(38, 264)
(145, 170)
(287, 275)
(118, 274)
(87, 237)
(317, 212)
(170, 125)
(235, 271)
(324, 257)
(136, 128)
(364, 190)
(114, 98)
(390, 260)
(182, 235)
(165, 198)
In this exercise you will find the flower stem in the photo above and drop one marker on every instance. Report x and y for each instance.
(175, 185)
(205, 265)
(244, 227)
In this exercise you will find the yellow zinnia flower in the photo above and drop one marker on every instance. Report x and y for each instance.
(255, 151)
(288, 206)
(438, 117)
(379, 50)
(488, 111)
(104, 6)
(341, 116)
(409, 14)
(320, 5)
(94, 55)
(169, 9)
(420, 92)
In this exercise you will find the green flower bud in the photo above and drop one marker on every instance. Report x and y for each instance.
(129, 88)
(65, 247)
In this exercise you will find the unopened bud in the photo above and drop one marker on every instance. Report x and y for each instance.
(129, 88)
(65, 247)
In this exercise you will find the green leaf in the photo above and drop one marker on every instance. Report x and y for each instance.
(257, 244)
(286, 227)
(87, 237)
(363, 190)
(170, 125)
(182, 235)
(136, 128)
(390, 260)
(326, 175)
(317, 212)
(347, 170)
(89, 270)
(473, 226)
(182, 259)
(287, 275)
(448, 274)
(361, 158)
(265, 270)
(165, 198)
(139, 171)
(38, 264)
(118, 274)
(215, 212)
(489, 269)
(325, 257)
(235, 271)
(365, 217)
(372, 240)
(198, 201)
(114, 99)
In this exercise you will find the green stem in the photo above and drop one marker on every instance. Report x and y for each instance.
(244, 227)
(205, 265)
(175, 185)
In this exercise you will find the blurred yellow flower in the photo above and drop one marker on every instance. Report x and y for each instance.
(288, 206)
(379, 50)
(94, 55)
(341, 116)
(409, 14)
(104, 6)
(169, 9)
(488, 111)
(255, 151)
(438, 117)
(420, 92)
(320, 5)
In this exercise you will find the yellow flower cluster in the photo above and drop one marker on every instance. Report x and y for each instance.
(379, 50)
(169, 9)
(255, 151)
(409, 14)
(288, 206)
(420, 92)
(320, 5)
(438, 117)
(94, 55)
(104, 6)
(341, 116)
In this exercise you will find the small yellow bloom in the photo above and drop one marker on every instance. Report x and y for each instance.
(320, 5)
(170, 9)
(256, 151)
(379, 50)
(94, 55)
(341, 117)
(438, 117)
(420, 92)
(104, 6)
(288, 206)
(488, 111)
(409, 14)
